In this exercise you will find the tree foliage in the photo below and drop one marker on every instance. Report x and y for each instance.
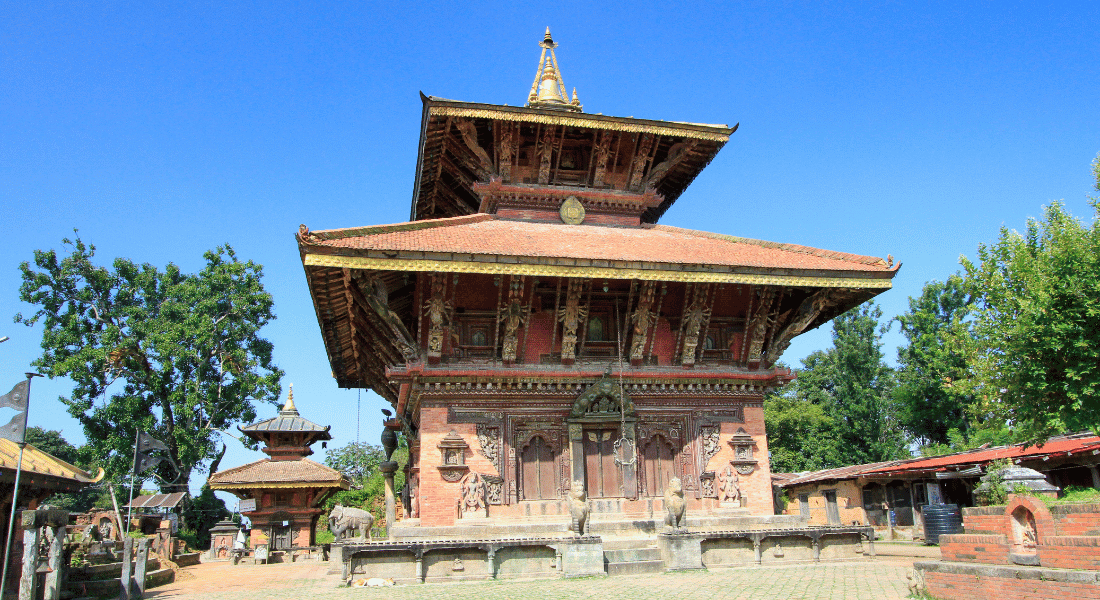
(360, 463)
(931, 405)
(841, 410)
(1034, 351)
(186, 348)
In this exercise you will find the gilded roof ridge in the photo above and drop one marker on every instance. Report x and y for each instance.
(833, 254)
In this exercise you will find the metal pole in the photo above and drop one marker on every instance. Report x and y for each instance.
(15, 491)
(133, 472)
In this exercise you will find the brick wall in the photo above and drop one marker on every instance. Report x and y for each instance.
(1076, 519)
(989, 549)
(985, 587)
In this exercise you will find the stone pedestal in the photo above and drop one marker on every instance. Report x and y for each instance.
(680, 551)
(582, 559)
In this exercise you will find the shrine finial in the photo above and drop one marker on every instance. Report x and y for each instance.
(289, 407)
(548, 90)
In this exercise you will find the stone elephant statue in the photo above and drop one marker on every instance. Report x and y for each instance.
(344, 519)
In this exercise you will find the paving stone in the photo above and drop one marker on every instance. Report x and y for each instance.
(880, 579)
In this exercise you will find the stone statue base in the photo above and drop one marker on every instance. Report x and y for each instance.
(730, 504)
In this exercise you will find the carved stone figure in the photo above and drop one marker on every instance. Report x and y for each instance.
(675, 504)
(571, 316)
(473, 495)
(578, 508)
(729, 488)
(710, 437)
(344, 519)
(488, 437)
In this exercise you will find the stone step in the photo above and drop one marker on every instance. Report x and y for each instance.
(635, 567)
(627, 543)
(632, 555)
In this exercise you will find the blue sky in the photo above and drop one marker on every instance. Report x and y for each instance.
(161, 130)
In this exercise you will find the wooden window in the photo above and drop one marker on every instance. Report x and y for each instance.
(804, 505)
(537, 470)
(602, 478)
(659, 464)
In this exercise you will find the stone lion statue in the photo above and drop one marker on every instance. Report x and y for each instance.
(674, 503)
(344, 519)
(578, 508)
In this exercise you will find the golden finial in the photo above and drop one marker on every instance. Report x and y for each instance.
(548, 89)
(289, 407)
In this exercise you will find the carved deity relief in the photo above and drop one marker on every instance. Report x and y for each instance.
(468, 130)
(571, 316)
(414, 496)
(729, 486)
(694, 316)
(513, 317)
(439, 311)
(641, 159)
(603, 154)
(642, 318)
(759, 324)
(488, 437)
(472, 488)
(710, 435)
(675, 155)
(707, 485)
(546, 151)
(808, 311)
(507, 151)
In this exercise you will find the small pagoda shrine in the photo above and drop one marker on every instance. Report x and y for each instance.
(286, 490)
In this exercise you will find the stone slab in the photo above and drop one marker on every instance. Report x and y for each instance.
(582, 560)
(680, 552)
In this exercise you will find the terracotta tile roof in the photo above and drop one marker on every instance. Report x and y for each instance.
(485, 234)
(1064, 446)
(278, 473)
(37, 461)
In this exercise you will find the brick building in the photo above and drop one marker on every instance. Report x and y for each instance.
(536, 328)
(287, 488)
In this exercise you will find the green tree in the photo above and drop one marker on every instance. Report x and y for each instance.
(931, 405)
(186, 348)
(201, 514)
(1034, 348)
(800, 432)
(51, 442)
(360, 463)
(854, 386)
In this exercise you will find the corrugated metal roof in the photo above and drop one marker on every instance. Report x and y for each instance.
(1067, 445)
(158, 500)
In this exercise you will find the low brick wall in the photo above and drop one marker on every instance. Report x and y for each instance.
(1071, 552)
(991, 582)
(965, 547)
(1076, 519)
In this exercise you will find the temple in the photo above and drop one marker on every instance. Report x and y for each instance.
(286, 490)
(538, 331)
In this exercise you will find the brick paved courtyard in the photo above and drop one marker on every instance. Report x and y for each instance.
(880, 579)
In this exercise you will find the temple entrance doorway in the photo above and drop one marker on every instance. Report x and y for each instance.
(602, 477)
(659, 465)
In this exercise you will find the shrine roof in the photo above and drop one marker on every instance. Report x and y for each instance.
(269, 473)
(488, 243)
(37, 462)
(288, 420)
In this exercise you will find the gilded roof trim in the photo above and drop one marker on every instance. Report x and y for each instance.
(574, 120)
(549, 270)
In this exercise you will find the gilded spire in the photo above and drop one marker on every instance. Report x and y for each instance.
(289, 407)
(548, 90)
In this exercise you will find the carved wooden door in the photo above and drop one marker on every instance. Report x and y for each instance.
(659, 464)
(602, 477)
(281, 538)
(537, 471)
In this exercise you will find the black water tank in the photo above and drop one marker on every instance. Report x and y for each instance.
(940, 519)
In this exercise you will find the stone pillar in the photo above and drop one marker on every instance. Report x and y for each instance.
(127, 567)
(1095, 476)
(57, 551)
(139, 569)
(388, 469)
(28, 581)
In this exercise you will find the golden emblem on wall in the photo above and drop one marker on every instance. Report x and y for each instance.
(572, 211)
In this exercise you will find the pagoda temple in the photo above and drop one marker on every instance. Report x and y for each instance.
(536, 329)
(287, 489)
